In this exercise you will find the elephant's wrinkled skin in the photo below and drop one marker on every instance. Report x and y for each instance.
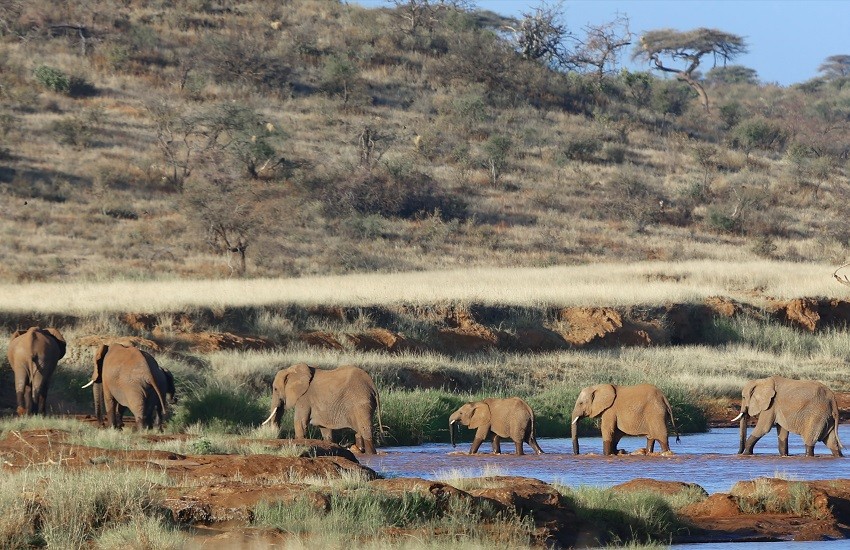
(125, 376)
(344, 397)
(510, 418)
(625, 410)
(804, 407)
(33, 354)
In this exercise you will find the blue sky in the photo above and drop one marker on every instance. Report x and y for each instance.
(787, 39)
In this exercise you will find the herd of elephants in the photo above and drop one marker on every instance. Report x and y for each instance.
(125, 377)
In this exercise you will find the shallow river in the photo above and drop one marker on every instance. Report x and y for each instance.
(709, 459)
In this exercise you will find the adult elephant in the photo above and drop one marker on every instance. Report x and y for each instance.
(344, 397)
(125, 376)
(510, 418)
(625, 410)
(33, 355)
(804, 407)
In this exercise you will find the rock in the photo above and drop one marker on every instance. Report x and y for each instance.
(379, 339)
(603, 327)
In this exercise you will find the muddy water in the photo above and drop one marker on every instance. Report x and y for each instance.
(709, 459)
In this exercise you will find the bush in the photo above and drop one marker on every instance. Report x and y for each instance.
(220, 408)
(53, 79)
(416, 417)
(582, 147)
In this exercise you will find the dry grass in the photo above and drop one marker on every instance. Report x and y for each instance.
(638, 283)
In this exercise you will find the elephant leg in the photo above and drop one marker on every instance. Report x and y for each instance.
(28, 400)
(300, 423)
(480, 436)
(368, 445)
(665, 443)
(618, 435)
(757, 433)
(328, 435)
(22, 408)
(518, 443)
(497, 445)
(533, 442)
(831, 441)
(606, 447)
(810, 450)
(650, 445)
(782, 438)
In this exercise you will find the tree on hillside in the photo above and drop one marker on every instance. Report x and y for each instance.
(663, 46)
(835, 66)
(424, 14)
(599, 51)
(732, 74)
(540, 34)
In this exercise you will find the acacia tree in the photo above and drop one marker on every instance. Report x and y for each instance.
(663, 46)
(835, 66)
(540, 34)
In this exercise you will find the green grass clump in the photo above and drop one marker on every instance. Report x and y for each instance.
(361, 515)
(67, 509)
(622, 518)
(219, 408)
(767, 498)
(416, 417)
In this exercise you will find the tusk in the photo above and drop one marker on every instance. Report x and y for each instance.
(738, 417)
(267, 420)
(89, 384)
(575, 419)
(452, 422)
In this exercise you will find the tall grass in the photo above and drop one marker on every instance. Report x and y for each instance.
(597, 284)
(70, 509)
(361, 515)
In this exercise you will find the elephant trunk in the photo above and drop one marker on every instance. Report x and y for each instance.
(452, 429)
(97, 394)
(574, 430)
(743, 431)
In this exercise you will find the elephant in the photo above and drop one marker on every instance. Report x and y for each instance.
(625, 410)
(33, 355)
(125, 376)
(509, 418)
(804, 407)
(344, 397)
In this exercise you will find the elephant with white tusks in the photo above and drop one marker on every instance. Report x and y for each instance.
(344, 397)
(804, 407)
(625, 410)
(510, 418)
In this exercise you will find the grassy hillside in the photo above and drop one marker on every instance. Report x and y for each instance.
(144, 141)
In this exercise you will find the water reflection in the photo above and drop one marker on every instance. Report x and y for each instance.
(709, 459)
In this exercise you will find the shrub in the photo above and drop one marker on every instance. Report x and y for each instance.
(416, 417)
(220, 408)
(582, 147)
(53, 79)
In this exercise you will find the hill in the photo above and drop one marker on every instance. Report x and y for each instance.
(145, 141)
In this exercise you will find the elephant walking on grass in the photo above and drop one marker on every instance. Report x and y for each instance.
(33, 355)
(510, 418)
(625, 410)
(804, 407)
(125, 376)
(344, 397)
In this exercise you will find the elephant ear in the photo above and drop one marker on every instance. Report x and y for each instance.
(761, 396)
(59, 340)
(601, 399)
(480, 415)
(98, 363)
(297, 383)
(16, 334)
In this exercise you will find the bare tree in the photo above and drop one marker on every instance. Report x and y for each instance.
(541, 33)
(689, 47)
(423, 14)
(599, 50)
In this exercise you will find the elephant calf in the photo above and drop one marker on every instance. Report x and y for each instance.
(625, 410)
(803, 407)
(510, 418)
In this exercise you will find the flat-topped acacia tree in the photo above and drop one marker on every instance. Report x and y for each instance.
(689, 47)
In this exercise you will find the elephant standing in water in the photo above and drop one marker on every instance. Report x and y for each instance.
(625, 410)
(125, 376)
(510, 418)
(33, 355)
(344, 397)
(804, 407)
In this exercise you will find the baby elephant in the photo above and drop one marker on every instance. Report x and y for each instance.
(510, 418)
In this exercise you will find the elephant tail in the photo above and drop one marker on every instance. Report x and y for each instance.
(672, 421)
(835, 418)
(161, 401)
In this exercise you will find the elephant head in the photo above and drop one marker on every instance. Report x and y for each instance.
(756, 397)
(592, 402)
(471, 415)
(170, 393)
(288, 387)
(97, 380)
